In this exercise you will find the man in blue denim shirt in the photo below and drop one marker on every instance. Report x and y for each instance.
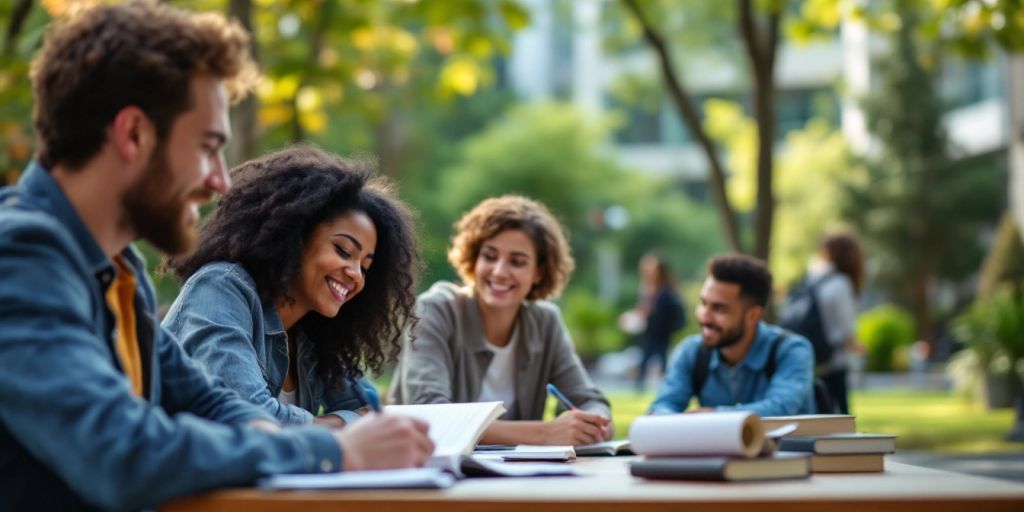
(99, 406)
(732, 302)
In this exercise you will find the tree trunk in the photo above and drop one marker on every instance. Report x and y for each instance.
(920, 301)
(761, 49)
(1015, 98)
(245, 124)
(684, 106)
(18, 15)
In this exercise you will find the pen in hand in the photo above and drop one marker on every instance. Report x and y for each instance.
(362, 398)
(564, 400)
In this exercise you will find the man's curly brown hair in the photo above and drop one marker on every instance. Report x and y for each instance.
(96, 62)
(498, 214)
(264, 223)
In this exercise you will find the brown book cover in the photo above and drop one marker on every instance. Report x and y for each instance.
(847, 463)
(732, 469)
(813, 424)
(840, 443)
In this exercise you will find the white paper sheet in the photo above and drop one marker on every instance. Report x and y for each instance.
(382, 479)
(722, 433)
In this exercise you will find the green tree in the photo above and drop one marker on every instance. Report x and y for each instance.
(547, 151)
(810, 174)
(667, 28)
(919, 210)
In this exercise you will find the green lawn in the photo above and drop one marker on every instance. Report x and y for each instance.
(923, 420)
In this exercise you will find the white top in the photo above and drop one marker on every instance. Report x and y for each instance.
(499, 382)
(289, 397)
(838, 306)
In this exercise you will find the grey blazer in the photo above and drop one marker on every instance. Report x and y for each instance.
(449, 357)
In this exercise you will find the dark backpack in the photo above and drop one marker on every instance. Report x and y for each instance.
(822, 400)
(802, 315)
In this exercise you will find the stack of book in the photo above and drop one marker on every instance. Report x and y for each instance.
(833, 443)
(728, 446)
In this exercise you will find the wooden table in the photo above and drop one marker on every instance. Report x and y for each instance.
(606, 485)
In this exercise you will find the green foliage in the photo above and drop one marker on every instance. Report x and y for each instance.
(15, 92)
(809, 176)
(1004, 264)
(994, 330)
(918, 211)
(808, 185)
(662, 219)
(885, 330)
(549, 152)
(592, 324)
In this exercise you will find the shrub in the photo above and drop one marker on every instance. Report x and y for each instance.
(993, 330)
(592, 324)
(885, 330)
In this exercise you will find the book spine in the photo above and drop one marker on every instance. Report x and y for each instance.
(669, 471)
(797, 444)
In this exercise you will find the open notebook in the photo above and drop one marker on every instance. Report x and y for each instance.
(455, 430)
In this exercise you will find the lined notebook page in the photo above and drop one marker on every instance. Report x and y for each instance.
(454, 428)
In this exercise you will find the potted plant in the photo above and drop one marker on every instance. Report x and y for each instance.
(993, 330)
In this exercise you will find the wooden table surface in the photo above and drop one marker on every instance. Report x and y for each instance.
(606, 485)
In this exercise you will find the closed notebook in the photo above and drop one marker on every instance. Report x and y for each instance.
(418, 478)
(554, 453)
(607, 448)
(840, 443)
(813, 424)
(722, 468)
(848, 463)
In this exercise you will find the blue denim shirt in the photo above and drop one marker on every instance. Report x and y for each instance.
(72, 434)
(219, 320)
(743, 387)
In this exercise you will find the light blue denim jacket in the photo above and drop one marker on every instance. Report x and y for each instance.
(220, 322)
(72, 434)
(745, 386)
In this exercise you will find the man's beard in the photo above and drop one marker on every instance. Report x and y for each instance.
(157, 212)
(729, 338)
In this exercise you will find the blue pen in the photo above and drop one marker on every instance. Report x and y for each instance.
(361, 396)
(555, 392)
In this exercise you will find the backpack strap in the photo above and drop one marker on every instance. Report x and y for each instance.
(822, 400)
(769, 365)
(700, 368)
(702, 365)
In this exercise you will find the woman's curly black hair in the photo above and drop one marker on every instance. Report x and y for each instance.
(264, 222)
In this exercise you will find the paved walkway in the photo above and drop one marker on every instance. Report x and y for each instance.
(1007, 466)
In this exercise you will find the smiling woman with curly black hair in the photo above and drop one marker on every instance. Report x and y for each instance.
(304, 278)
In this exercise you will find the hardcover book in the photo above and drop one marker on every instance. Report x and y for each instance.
(730, 469)
(848, 463)
(813, 424)
(840, 443)
(607, 448)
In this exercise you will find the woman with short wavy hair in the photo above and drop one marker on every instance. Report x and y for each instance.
(496, 337)
(304, 278)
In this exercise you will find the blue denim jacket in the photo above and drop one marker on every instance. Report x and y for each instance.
(745, 386)
(219, 320)
(72, 434)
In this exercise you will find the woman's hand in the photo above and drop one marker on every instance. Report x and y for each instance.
(578, 427)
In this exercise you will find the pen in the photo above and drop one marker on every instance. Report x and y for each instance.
(561, 397)
(361, 396)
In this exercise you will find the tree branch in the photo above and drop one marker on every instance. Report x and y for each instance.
(18, 15)
(761, 50)
(684, 105)
(245, 115)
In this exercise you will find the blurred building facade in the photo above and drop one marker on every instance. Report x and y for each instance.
(561, 56)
